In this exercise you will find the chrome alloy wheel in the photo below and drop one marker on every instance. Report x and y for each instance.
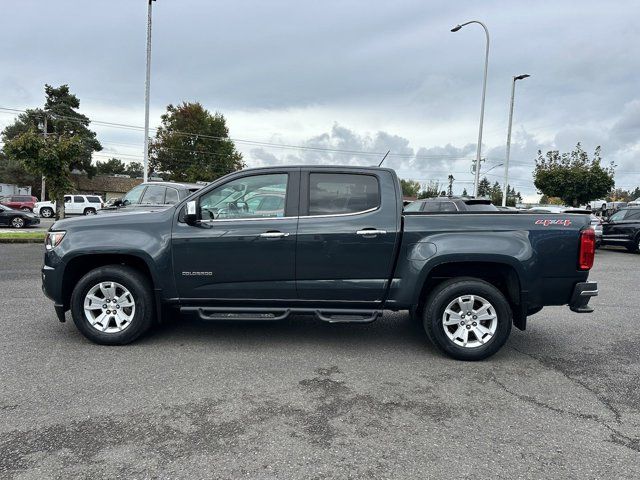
(470, 321)
(17, 222)
(109, 307)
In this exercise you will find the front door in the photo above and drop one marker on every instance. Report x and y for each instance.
(613, 231)
(238, 252)
(346, 236)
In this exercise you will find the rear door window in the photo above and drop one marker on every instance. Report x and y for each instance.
(340, 193)
(78, 199)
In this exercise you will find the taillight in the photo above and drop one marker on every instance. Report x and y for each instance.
(587, 249)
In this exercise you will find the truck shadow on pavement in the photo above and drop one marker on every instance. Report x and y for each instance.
(393, 330)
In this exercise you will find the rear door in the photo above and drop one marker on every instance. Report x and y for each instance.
(346, 235)
(238, 254)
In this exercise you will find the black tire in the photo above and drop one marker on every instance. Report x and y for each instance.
(447, 292)
(46, 212)
(140, 289)
(635, 246)
(17, 222)
(25, 209)
(89, 211)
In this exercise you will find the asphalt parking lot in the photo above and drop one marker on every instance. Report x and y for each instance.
(304, 399)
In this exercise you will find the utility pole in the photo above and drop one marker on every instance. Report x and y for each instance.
(43, 185)
(147, 85)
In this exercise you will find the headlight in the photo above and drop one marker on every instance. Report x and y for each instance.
(53, 239)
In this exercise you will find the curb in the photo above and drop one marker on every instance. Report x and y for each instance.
(22, 240)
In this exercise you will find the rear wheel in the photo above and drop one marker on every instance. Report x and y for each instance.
(467, 318)
(46, 212)
(113, 305)
(25, 209)
(17, 222)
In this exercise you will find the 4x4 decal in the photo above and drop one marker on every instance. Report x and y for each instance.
(547, 222)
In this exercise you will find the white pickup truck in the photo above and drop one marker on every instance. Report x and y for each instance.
(73, 205)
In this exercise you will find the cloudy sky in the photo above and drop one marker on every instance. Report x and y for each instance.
(361, 76)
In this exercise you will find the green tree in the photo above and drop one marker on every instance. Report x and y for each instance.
(192, 144)
(51, 156)
(111, 167)
(431, 190)
(484, 188)
(495, 193)
(572, 176)
(134, 169)
(62, 119)
(410, 188)
(464, 192)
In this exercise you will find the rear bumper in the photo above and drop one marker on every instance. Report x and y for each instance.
(582, 293)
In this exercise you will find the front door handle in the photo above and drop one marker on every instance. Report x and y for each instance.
(371, 232)
(274, 234)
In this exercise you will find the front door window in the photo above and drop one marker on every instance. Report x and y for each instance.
(257, 196)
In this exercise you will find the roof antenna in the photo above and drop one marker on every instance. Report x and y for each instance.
(385, 156)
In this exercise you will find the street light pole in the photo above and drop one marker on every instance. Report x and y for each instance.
(508, 153)
(484, 91)
(147, 85)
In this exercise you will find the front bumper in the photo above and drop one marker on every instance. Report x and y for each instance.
(582, 293)
(52, 288)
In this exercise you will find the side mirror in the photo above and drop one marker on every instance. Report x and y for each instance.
(191, 217)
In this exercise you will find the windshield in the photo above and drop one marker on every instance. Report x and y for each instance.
(133, 196)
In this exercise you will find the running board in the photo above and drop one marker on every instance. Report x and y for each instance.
(330, 315)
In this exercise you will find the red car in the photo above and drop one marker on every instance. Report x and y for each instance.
(19, 202)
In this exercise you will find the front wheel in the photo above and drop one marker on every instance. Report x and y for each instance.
(89, 211)
(112, 305)
(467, 318)
(635, 246)
(25, 209)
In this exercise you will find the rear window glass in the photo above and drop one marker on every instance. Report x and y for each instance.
(448, 207)
(339, 193)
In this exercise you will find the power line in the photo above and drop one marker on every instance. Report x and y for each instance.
(259, 143)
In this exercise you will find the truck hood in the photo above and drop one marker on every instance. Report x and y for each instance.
(115, 218)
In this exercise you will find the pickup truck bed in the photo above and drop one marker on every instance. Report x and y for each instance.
(262, 244)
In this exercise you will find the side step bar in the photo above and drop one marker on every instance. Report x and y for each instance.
(330, 315)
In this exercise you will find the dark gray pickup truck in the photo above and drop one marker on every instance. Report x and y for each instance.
(263, 244)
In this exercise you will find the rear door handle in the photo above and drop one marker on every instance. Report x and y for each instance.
(274, 234)
(371, 231)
